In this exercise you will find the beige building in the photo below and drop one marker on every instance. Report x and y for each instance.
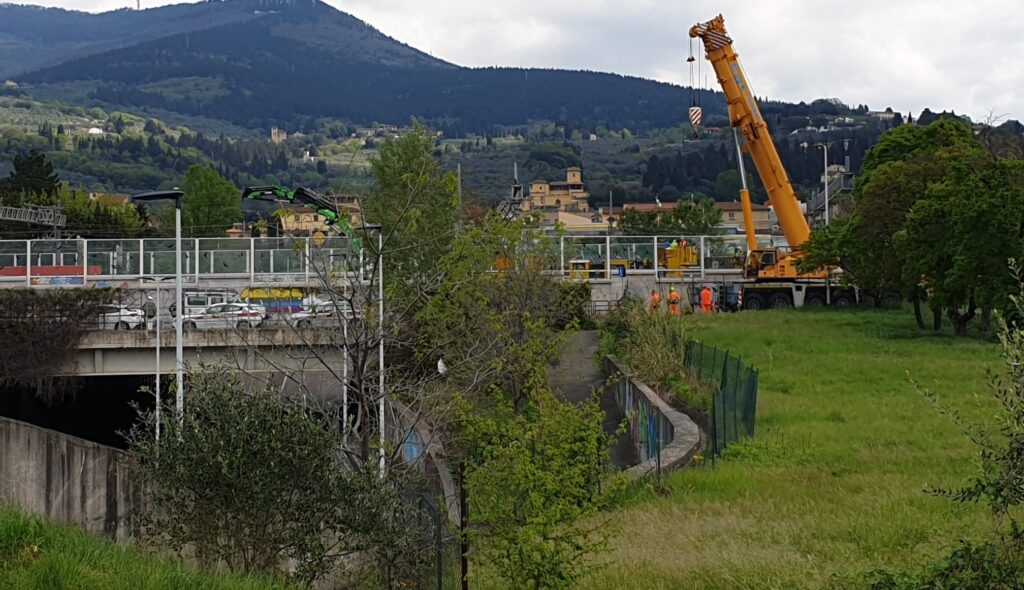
(732, 216)
(303, 221)
(570, 195)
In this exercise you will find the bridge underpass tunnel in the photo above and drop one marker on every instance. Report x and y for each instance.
(98, 409)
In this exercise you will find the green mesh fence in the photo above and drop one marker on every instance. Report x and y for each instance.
(735, 393)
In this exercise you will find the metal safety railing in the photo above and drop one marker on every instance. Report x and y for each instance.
(606, 257)
(81, 262)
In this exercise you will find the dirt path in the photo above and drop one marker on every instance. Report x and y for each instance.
(575, 378)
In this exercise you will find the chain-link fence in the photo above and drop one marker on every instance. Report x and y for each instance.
(735, 393)
(428, 554)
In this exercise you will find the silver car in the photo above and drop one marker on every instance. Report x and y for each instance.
(225, 316)
(322, 315)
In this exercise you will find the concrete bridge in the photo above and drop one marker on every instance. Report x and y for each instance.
(265, 350)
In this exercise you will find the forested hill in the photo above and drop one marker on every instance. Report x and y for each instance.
(259, 63)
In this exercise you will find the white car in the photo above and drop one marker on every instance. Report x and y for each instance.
(121, 317)
(325, 315)
(226, 316)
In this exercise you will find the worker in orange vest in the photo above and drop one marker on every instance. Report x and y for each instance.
(706, 299)
(673, 301)
(655, 301)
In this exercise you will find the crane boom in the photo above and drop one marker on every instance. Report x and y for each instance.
(38, 215)
(745, 116)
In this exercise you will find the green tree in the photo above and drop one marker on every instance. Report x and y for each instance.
(253, 481)
(534, 482)
(498, 329)
(728, 185)
(33, 176)
(417, 204)
(699, 217)
(211, 203)
(959, 235)
(696, 218)
(930, 209)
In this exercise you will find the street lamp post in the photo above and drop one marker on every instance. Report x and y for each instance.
(176, 196)
(824, 147)
(157, 386)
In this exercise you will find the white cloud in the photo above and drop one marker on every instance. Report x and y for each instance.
(942, 54)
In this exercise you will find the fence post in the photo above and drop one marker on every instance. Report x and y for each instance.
(608, 254)
(702, 256)
(28, 263)
(752, 403)
(657, 434)
(723, 389)
(561, 257)
(85, 262)
(735, 403)
(655, 260)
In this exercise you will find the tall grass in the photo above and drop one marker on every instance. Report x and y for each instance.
(652, 345)
(38, 554)
(832, 483)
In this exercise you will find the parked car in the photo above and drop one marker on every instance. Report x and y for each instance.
(121, 317)
(324, 315)
(226, 316)
(198, 300)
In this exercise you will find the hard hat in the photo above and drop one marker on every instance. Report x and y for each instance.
(672, 289)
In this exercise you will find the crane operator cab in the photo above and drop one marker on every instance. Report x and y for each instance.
(759, 263)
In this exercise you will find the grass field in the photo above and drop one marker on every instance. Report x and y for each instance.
(833, 482)
(35, 554)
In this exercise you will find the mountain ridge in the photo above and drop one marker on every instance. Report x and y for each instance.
(260, 63)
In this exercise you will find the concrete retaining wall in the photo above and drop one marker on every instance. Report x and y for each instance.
(66, 478)
(653, 424)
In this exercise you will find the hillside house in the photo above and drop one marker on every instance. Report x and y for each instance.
(570, 195)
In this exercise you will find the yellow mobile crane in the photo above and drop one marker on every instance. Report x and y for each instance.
(772, 279)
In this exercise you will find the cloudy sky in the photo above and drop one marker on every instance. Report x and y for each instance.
(907, 54)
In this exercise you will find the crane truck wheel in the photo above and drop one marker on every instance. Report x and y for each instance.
(753, 302)
(814, 301)
(780, 301)
(843, 300)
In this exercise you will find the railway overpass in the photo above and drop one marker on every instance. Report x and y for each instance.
(110, 353)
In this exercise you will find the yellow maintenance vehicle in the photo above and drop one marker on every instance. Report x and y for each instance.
(675, 259)
(771, 278)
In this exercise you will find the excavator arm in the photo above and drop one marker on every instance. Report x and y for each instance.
(302, 196)
(745, 117)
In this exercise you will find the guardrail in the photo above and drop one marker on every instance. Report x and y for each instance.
(590, 258)
(275, 260)
(79, 262)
